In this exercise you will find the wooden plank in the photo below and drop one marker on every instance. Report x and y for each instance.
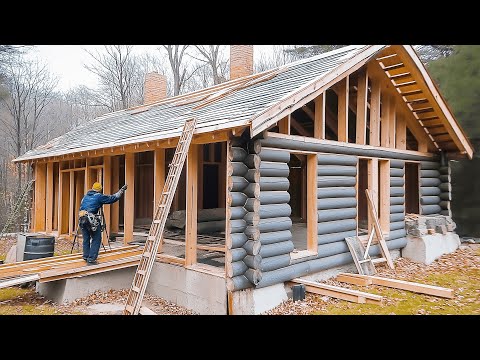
(384, 193)
(71, 204)
(312, 217)
(222, 170)
(129, 202)
(406, 285)
(115, 207)
(385, 121)
(49, 199)
(401, 133)
(339, 292)
(191, 206)
(319, 122)
(107, 189)
(56, 179)
(375, 113)
(79, 187)
(392, 120)
(346, 278)
(170, 259)
(362, 92)
(159, 176)
(373, 187)
(284, 125)
(343, 87)
(18, 281)
(298, 128)
(40, 184)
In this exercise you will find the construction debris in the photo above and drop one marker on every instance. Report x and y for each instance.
(420, 225)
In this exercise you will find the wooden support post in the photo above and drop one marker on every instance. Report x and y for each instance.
(191, 206)
(71, 203)
(401, 133)
(284, 125)
(129, 208)
(107, 189)
(79, 193)
(385, 121)
(222, 169)
(40, 185)
(362, 96)
(49, 199)
(56, 184)
(343, 95)
(158, 176)
(200, 177)
(373, 187)
(392, 120)
(60, 199)
(375, 114)
(88, 176)
(312, 217)
(422, 146)
(319, 122)
(115, 207)
(384, 193)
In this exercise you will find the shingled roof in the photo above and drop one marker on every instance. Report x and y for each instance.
(254, 100)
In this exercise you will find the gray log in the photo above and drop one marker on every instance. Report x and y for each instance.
(445, 187)
(396, 172)
(337, 149)
(326, 250)
(391, 245)
(252, 190)
(336, 226)
(275, 224)
(252, 175)
(397, 234)
(268, 183)
(429, 165)
(394, 209)
(430, 200)
(254, 276)
(213, 226)
(429, 191)
(275, 262)
(252, 205)
(431, 209)
(336, 203)
(237, 226)
(274, 197)
(427, 182)
(275, 237)
(397, 191)
(446, 196)
(236, 254)
(237, 199)
(238, 283)
(238, 169)
(397, 217)
(332, 181)
(237, 240)
(251, 218)
(444, 204)
(336, 214)
(444, 170)
(237, 154)
(236, 268)
(252, 161)
(274, 210)
(336, 192)
(254, 146)
(429, 173)
(284, 247)
(252, 247)
(336, 170)
(334, 237)
(237, 212)
(396, 181)
(445, 212)
(445, 178)
(397, 225)
(268, 168)
(274, 155)
(397, 164)
(324, 159)
(237, 183)
(397, 200)
(252, 232)
(253, 262)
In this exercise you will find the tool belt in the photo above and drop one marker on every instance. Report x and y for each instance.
(88, 220)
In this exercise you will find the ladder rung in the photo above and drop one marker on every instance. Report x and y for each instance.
(141, 272)
(129, 308)
(136, 289)
(364, 261)
(379, 260)
(151, 238)
(157, 221)
(147, 254)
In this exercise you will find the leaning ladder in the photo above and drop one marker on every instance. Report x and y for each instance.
(18, 206)
(154, 239)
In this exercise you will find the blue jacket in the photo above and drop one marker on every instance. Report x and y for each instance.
(93, 201)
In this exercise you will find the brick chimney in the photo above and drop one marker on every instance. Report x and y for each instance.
(155, 88)
(241, 61)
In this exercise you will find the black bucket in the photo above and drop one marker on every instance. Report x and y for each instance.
(37, 247)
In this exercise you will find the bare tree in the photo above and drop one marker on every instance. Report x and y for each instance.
(278, 56)
(180, 71)
(212, 56)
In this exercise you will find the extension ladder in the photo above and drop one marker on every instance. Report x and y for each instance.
(17, 207)
(154, 239)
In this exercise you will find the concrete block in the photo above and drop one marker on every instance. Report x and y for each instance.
(428, 248)
(257, 301)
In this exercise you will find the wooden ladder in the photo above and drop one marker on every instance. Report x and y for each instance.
(154, 239)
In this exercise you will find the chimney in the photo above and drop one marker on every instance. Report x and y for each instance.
(155, 88)
(241, 61)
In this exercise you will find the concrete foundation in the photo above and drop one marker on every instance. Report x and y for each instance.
(427, 248)
(204, 293)
(65, 291)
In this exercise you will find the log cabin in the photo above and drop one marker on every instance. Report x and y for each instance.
(283, 157)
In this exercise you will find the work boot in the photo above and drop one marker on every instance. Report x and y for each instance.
(94, 262)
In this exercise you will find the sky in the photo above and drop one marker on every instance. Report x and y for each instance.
(66, 61)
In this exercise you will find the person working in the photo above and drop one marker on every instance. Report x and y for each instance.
(89, 219)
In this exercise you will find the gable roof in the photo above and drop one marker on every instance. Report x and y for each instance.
(257, 100)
